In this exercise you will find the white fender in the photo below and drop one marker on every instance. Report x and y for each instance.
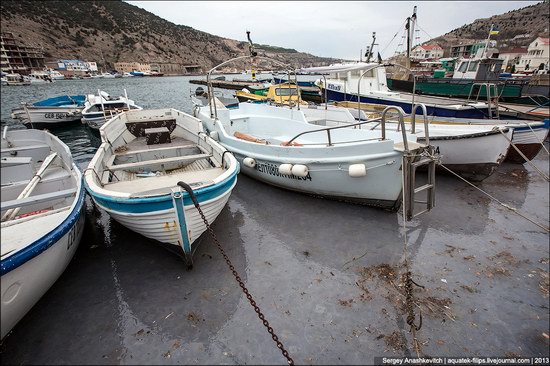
(357, 170)
(249, 162)
(285, 169)
(300, 170)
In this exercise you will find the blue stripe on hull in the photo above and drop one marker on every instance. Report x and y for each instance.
(432, 111)
(160, 203)
(45, 242)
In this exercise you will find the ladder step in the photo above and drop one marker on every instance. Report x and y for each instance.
(423, 161)
(423, 188)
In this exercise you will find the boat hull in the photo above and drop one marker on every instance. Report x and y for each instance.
(156, 217)
(433, 110)
(529, 141)
(29, 273)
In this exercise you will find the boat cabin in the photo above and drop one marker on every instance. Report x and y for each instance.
(478, 69)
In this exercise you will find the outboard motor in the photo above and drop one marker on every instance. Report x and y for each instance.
(199, 92)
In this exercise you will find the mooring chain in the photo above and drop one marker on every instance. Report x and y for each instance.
(238, 278)
(411, 317)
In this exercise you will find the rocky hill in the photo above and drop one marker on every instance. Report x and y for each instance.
(517, 28)
(115, 31)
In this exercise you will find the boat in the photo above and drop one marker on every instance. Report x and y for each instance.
(277, 79)
(201, 98)
(3, 78)
(279, 147)
(42, 218)
(107, 75)
(53, 112)
(368, 80)
(100, 108)
(40, 77)
(127, 75)
(287, 93)
(56, 75)
(135, 173)
(528, 135)
(137, 73)
(17, 80)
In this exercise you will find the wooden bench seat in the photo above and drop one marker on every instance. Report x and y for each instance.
(41, 198)
(187, 159)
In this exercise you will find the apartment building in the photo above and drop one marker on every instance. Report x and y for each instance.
(19, 58)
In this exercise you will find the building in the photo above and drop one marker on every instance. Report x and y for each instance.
(123, 67)
(538, 53)
(511, 57)
(18, 58)
(426, 52)
(76, 67)
(469, 49)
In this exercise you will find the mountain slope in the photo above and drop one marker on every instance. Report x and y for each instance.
(113, 31)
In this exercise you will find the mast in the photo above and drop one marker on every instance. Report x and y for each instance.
(370, 49)
(410, 34)
(484, 54)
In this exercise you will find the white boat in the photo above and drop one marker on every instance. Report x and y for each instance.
(107, 75)
(100, 108)
(368, 80)
(278, 146)
(135, 173)
(42, 218)
(40, 77)
(56, 75)
(528, 135)
(53, 112)
(17, 80)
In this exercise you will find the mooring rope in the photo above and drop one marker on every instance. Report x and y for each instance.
(523, 156)
(513, 209)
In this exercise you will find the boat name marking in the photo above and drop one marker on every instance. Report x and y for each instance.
(334, 87)
(56, 115)
(273, 169)
(75, 230)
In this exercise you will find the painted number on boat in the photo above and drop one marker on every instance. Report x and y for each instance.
(334, 87)
(273, 169)
(75, 231)
(56, 115)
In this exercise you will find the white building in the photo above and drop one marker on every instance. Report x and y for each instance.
(511, 57)
(426, 52)
(538, 53)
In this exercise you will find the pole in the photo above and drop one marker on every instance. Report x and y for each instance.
(487, 43)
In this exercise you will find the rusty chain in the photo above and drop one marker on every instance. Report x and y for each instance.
(409, 299)
(238, 278)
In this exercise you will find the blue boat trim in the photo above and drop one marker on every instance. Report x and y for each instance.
(45, 242)
(160, 203)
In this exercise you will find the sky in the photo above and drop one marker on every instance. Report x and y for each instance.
(338, 29)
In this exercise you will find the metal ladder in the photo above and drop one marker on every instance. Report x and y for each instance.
(489, 87)
(421, 156)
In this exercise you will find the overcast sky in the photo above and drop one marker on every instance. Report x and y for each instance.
(339, 29)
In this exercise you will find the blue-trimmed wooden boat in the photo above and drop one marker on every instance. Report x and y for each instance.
(53, 112)
(134, 175)
(42, 218)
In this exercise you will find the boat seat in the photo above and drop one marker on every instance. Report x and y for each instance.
(32, 200)
(24, 148)
(141, 164)
(163, 184)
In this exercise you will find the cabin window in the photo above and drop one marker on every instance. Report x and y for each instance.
(462, 67)
(473, 66)
(285, 92)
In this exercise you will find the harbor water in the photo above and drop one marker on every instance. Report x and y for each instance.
(326, 274)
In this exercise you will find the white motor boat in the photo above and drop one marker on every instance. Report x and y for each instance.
(136, 173)
(53, 112)
(100, 108)
(42, 218)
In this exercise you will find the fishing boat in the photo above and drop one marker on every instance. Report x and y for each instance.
(56, 75)
(100, 108)
(287, 93)
(17, 80)
(367, 82)
(42, 218)
(53, 112)
(40, 77)
(135, 173)
(528, 136)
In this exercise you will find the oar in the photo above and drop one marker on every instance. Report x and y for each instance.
(11, 213)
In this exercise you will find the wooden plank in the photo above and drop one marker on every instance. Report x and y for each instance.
(23, 148)
(27, 201)
(139, 164)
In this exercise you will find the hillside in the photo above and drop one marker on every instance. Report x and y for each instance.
(115, 31)
(531, 21)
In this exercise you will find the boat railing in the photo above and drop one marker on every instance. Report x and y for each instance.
(490, 98)
(381, 120)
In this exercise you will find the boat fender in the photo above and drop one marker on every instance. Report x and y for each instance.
(214, 135)
(249, 162)
(357, 170)
(300, 170)
(285, 169)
